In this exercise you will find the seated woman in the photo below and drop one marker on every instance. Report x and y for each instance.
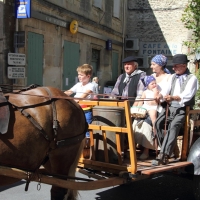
(143, 131)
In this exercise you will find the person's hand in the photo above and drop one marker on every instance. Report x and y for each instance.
(170, 98)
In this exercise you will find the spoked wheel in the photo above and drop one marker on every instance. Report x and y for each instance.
(196, 186)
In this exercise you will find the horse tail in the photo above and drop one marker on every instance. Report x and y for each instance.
(72, 194)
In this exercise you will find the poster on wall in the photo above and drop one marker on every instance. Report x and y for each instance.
(22, 8)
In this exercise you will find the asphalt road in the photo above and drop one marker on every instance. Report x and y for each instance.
(160, 187)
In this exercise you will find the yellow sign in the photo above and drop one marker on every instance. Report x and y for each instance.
(74, 27)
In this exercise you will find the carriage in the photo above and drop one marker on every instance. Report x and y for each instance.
(43, 106)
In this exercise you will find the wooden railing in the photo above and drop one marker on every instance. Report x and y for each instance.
(115, 168)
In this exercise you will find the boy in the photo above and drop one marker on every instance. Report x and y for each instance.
(83, 89)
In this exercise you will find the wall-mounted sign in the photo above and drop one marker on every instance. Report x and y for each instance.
(22, 8)
(73, 27)
(153, 48)
(16, 59)
(109, 44)
(16, 72)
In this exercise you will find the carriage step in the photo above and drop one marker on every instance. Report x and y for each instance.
(163, 168)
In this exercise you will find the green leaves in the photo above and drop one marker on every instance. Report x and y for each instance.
(191, 19)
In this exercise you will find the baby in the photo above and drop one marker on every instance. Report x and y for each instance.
(150, 94)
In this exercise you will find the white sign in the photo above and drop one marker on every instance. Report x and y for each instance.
(16, 72)
(16, 59)
(153, 48)
(107, 90)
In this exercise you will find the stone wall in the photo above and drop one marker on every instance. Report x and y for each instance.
(158, 26)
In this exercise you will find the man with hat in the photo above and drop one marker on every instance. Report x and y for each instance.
(179, 94)
(130, 84)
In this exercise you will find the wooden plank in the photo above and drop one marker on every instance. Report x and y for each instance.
(68, 184)
(163, 168)
(102, 164)
(90, 174)
(196, 123)
(90, 103)
(105, 147)
(111, 128)
(131, 138)
(121, 104)
(119, 151)
(107, 103)
(124, 130)
(92, 145)
(185, 135)
(94, 127)
(194, 111)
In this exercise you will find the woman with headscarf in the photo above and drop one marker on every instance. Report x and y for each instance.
(160, 72)
(143, 129)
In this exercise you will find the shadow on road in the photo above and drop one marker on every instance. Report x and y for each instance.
(164, 186)
(12, 185)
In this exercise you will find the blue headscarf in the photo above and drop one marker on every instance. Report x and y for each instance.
(160, 60)
(148, 80)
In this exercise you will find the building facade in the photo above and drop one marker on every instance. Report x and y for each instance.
(61, 35)
(156, 28)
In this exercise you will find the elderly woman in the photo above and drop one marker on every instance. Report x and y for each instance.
(143, 129)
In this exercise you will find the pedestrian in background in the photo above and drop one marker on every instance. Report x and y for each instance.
(95, 81)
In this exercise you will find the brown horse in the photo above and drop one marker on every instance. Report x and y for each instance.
(46, 129)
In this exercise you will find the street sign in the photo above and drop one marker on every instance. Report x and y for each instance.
(16, 72)
(16, 59)
(22, 8)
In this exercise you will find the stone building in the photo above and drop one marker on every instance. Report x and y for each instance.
(156, 28)
(61, 35)
(102, 33)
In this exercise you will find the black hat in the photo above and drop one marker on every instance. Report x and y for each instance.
(180, 59)
(129, 59)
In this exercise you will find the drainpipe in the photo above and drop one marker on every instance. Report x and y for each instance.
(124, 26)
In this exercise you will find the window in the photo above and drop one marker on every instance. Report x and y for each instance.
(98, 4)
(116, 8)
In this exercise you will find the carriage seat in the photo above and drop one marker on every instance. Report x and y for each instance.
(4, 113)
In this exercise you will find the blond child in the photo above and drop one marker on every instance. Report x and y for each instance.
(83, 89)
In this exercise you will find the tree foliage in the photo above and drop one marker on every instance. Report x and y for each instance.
(191, 20)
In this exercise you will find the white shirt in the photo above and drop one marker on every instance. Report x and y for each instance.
(189, 91)
(79, 89)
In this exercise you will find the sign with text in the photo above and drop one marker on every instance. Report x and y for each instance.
(16, 59)
(16, 72)
(153, 48)
(22, 8)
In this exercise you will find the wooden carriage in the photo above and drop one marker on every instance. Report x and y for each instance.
(105, 173)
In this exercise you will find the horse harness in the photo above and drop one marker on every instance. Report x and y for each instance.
(54, 143)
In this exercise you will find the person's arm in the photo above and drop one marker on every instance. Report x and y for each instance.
(86, 93)
(115, 91)
(68, 92)
(140, 88)
(140, 103)
(190, 90)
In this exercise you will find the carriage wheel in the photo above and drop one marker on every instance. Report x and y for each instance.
(196, 186)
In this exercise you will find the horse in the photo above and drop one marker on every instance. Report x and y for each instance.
(46, 128)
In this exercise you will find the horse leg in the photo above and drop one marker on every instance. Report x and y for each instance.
(58, 193)
(69, 155)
